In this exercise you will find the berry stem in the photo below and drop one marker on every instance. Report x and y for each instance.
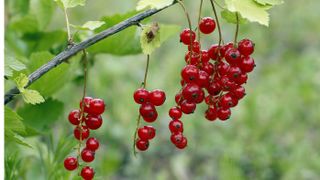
(85, 71)
(144, 84)
(190, 26)
(217, 20)
(237, 30)
(199, 18)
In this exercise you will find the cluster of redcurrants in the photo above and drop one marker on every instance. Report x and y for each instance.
(148, 112)
(89, 119)
(222, 78)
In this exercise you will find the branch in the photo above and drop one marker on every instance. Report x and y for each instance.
(71, 51)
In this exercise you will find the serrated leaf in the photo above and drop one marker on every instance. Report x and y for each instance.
(153, 4)
(70, 3)
(13, 122)
(90, 25)
(32, 96)
(41, 117)
(12, 64)
(43, 10)
(21, 81)
(54, 79)
(270, 2)
(231, 17)
(250, 10)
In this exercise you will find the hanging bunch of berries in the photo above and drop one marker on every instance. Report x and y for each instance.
(87, 118)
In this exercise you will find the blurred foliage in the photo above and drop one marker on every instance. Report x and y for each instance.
(273, 133)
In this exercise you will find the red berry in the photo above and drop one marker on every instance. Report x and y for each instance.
(157, 97)
(96, 107)
(242, 79)
(223, 68)
(223, 114)
(92, 144)
(93, 122)
(84, 132)
(226, 83)
(233, 56)
(211, 100)
(204, 56)
(226, 101)
(247, 64)
(225, 48)
(148, 112)
(239, 92)
(191, 92)
(234, 73)
(246, 47)
(203, 79)
(176, 138)
(87, 173)
(176, 126)
(187, 107)
(141, 96)
(87, 101)
(201, 97)
(195, 47)
(187, 36)
(207, 25)
(214, 52)
(208, 68)
(211, 114)
(214, 89)
(71, 163)
(74, 117)
(178, 98)
(87, 155)
(151, 131)
(194, 60)
(175, 113)
(142, 145)
(143, 133)
(183, 143)
(190, 73)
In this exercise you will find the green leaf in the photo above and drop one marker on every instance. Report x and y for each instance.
(270, 2)
(51, 81)
(32, 96)
(153, 4)
(127, 39)
(21, 81)
(25, 24)
(13, 137)
(152, 36)
(250, 10)
(13, 122)
(41, 117)
(90, 25)
(12, 64)
(70, 3)
(231, 17)
(43, 10)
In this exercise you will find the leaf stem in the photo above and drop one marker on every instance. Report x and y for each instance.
(68, 26)
(144, 84)
(237, 30)
(217, 20)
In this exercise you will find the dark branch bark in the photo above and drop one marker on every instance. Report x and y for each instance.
(66, 54)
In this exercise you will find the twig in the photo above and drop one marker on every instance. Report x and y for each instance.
(237, 30)
(69, 52)
(217, 20)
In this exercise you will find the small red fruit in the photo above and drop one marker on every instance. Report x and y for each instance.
(175, 113)
(71, 163)
(157, 97)
(207, 25)
(141, 96)
(84, 131)
(92, 144)
(96, 107)
(142, 145)
(187, 36)
(87, 155)
(93, 122)
(87, 173)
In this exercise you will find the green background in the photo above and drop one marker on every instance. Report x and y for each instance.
(272, 134)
